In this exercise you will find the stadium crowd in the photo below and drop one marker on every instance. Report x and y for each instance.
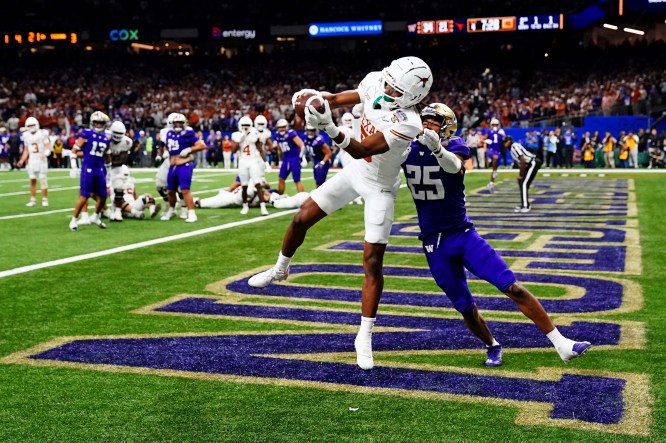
(214, 96)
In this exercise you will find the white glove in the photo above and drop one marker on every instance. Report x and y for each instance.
(323, 120)
(185, 152)
(357, 110)
(299, 93)
(304, 161)
(430, 139)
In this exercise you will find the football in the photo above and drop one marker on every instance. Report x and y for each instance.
(302, 101)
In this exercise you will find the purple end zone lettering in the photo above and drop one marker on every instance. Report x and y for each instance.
(601, 402)
(600, 295)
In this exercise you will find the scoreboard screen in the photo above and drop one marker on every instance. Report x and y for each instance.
(487, 24)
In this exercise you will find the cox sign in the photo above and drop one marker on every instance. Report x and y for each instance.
(124, 34)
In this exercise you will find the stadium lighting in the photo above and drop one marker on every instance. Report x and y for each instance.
(634, 31)
(613, 27)
(142, 46)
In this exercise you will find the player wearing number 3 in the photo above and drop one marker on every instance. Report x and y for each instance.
(435, 176)
(93, 145)
(389, 122)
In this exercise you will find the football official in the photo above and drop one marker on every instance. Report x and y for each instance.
(529, 165)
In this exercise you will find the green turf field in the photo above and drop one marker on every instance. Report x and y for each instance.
(163, 341)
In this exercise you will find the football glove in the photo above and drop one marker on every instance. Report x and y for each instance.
(323, 121)
(430, 139)
(294, 97)
(304, 161)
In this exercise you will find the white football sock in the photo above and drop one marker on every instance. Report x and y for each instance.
(556, 338)
(367, 324)
(282, 262)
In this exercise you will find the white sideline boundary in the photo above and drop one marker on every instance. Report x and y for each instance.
(143, 244)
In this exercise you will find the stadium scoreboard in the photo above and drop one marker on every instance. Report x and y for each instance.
(29, 38)
(487, 24)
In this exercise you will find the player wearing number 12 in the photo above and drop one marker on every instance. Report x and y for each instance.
(435, 176)
(93, 145)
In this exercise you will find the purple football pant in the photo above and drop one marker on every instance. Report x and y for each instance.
(455, 251)
(93, 181)
(180, 177)
(320, 173)
(293, 166)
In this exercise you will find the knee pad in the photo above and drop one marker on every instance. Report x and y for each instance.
(162, 190)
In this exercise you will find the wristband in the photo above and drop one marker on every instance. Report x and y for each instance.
(344, 143)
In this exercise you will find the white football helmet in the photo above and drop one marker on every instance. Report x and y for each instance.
(310, 131)
(169, 120)
(244, 124)
(409, 76)
(99, 121)
(31, 124)
(260, 123)
(179, 122)
(117, 131)
(348, 119)
(282, 126)
(494, 124)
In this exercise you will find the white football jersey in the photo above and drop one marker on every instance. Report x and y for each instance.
(36, 144)
(123, 146)
(264, 135)
(248, 145)
(399, 126)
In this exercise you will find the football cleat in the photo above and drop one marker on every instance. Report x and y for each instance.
(30, 204)
(95, 219)
(245, 209)
(573, 349)
(73, 226)
(264, 211)
(363, 346)
(85, 219)
(183, 212)
(494, 356)
(491, 187)
(191, 218)
(263, 279)
(45, 202)
(154, 210)
(525, 210)
(168, 215)
(517, 208)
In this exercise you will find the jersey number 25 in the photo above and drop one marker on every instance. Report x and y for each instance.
(431, 188)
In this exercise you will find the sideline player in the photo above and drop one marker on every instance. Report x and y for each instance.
(36, 150)
(529, 166)
(435, 176)
(181, 142)
(320, 153)
(249, 149)
(291, 151)
(494, 143)
(93, 146)
(389, 123)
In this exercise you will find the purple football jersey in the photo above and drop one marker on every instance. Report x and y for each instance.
(177, 141)
(96, 145)
(286, 143)
(439, 197)
(496, 138)
(314, 146)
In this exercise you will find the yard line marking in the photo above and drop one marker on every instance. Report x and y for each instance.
(143, 244)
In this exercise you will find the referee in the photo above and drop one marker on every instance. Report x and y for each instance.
(529, 165)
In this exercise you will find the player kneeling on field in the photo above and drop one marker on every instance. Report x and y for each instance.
(131, 204)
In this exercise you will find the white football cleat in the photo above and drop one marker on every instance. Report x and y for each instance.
(263, 279)
(73, 226)
(264, 211)
(117, 215)
(191, 218)
(183, 212)
(245, 209)
(30, 204)
(45, 202)
(572, 349)
(85, 219)
(363, 346)
(168, 215)
(96, 220)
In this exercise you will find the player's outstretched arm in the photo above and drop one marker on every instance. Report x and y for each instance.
(346, 98)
